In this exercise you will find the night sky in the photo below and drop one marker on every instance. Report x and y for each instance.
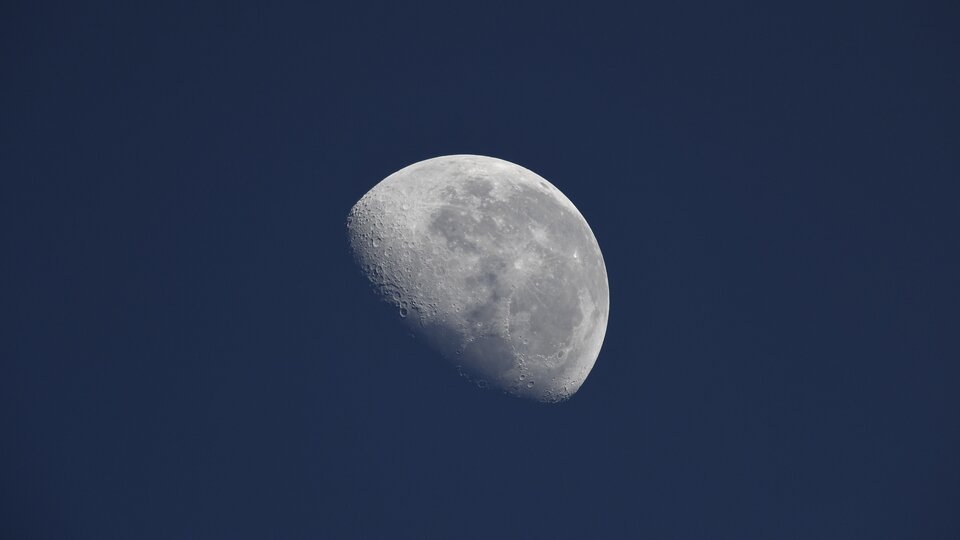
(187, 350)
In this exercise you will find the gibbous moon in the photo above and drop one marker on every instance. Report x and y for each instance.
(492, 266)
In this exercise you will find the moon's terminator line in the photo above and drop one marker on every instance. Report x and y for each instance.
(491, 264)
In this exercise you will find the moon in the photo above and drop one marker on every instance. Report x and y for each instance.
(492, 266)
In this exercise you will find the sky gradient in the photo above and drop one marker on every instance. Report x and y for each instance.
(188, 352)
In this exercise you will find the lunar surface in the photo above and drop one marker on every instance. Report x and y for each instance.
(492, 266)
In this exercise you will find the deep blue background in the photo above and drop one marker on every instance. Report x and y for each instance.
(188, 352)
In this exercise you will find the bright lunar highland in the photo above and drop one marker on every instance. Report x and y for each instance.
(492, 266)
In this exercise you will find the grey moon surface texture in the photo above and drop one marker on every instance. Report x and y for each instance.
(492, 266)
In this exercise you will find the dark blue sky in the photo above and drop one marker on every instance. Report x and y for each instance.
(187, 351)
